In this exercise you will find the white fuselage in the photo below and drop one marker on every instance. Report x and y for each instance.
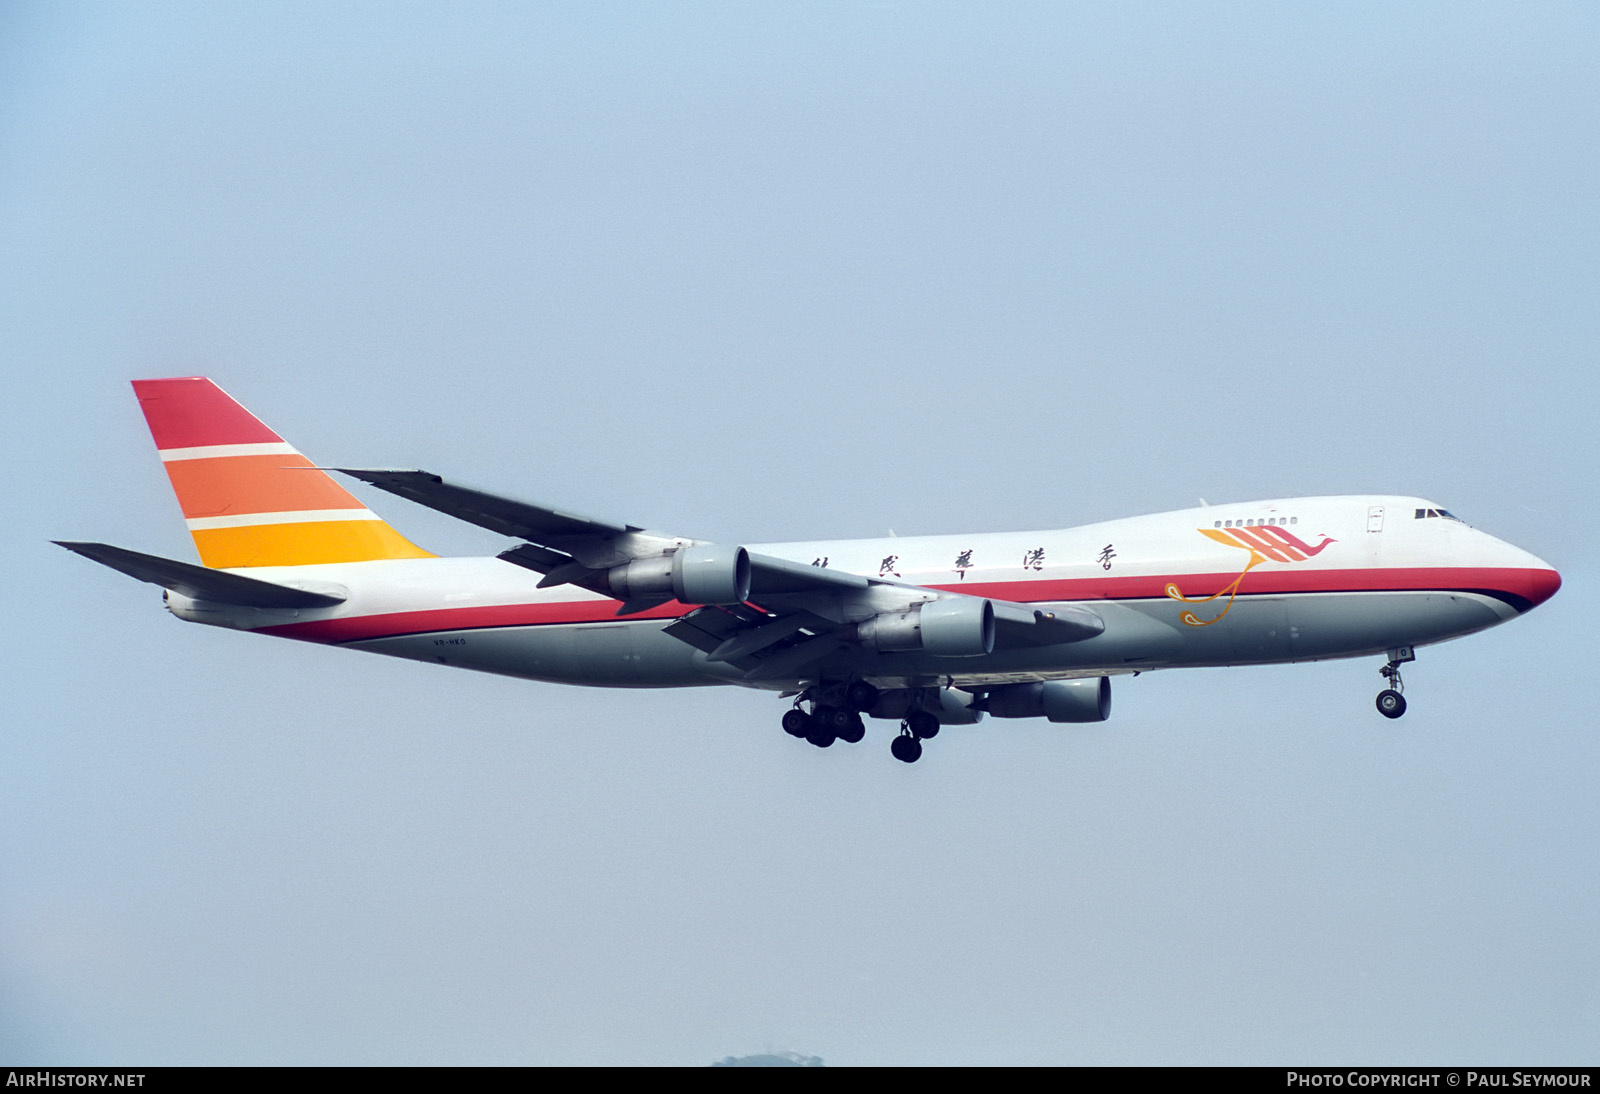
(1247, 583)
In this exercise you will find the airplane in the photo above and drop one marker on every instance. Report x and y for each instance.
(928, 631)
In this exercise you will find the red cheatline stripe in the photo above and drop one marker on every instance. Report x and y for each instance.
(191, 411)
(1533, 586)
(449, 619)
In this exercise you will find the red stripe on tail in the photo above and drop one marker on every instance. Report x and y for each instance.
(192, 412)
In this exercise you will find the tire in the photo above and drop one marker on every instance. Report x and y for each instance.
(908, 750)
(856, 731)
(821, 736)
(923, 725)
(796, 722)
(1391, 704)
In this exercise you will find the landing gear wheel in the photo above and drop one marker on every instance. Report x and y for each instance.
(856, 731)
(922, 725)
(860, 695)
(796, 722)
(906, 749)
(821, 735)
(1391, 704)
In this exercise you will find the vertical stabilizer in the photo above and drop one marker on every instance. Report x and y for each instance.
(249, 498)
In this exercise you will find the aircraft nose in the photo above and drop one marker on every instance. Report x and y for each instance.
(1540, 585)
(1525, 579)
(1520, 578)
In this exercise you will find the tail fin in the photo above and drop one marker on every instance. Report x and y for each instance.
(250, 499)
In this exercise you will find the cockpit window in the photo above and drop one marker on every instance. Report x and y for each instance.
(1424, 514)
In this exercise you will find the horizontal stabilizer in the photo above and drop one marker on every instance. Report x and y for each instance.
(199, 582)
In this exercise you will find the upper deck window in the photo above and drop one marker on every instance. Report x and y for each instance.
(1253, 522)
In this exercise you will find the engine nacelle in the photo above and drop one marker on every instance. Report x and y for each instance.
(712, 574)
(958, 708)
(951, 706)
(960, 626)
(1085, 700)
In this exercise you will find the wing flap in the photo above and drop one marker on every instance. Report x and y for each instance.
(757, 638)
(538, 559)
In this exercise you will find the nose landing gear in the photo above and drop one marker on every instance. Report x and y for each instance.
(1391, 703)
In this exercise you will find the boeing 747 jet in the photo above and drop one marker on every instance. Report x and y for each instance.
(927, 631)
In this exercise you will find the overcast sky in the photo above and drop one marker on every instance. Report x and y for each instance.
(756, 273)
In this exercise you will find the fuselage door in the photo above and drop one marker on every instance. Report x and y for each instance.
(1375, 518)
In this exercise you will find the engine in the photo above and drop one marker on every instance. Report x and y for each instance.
(951, 706)
(711, 574)
(955, 627)
(1085, 700)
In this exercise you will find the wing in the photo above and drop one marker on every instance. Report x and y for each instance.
(572, 549)
(537, 524)
(769, 617)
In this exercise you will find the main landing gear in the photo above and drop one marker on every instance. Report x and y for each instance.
(835, 715)
(824, 725)
(1391, 703)
(919, 726)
